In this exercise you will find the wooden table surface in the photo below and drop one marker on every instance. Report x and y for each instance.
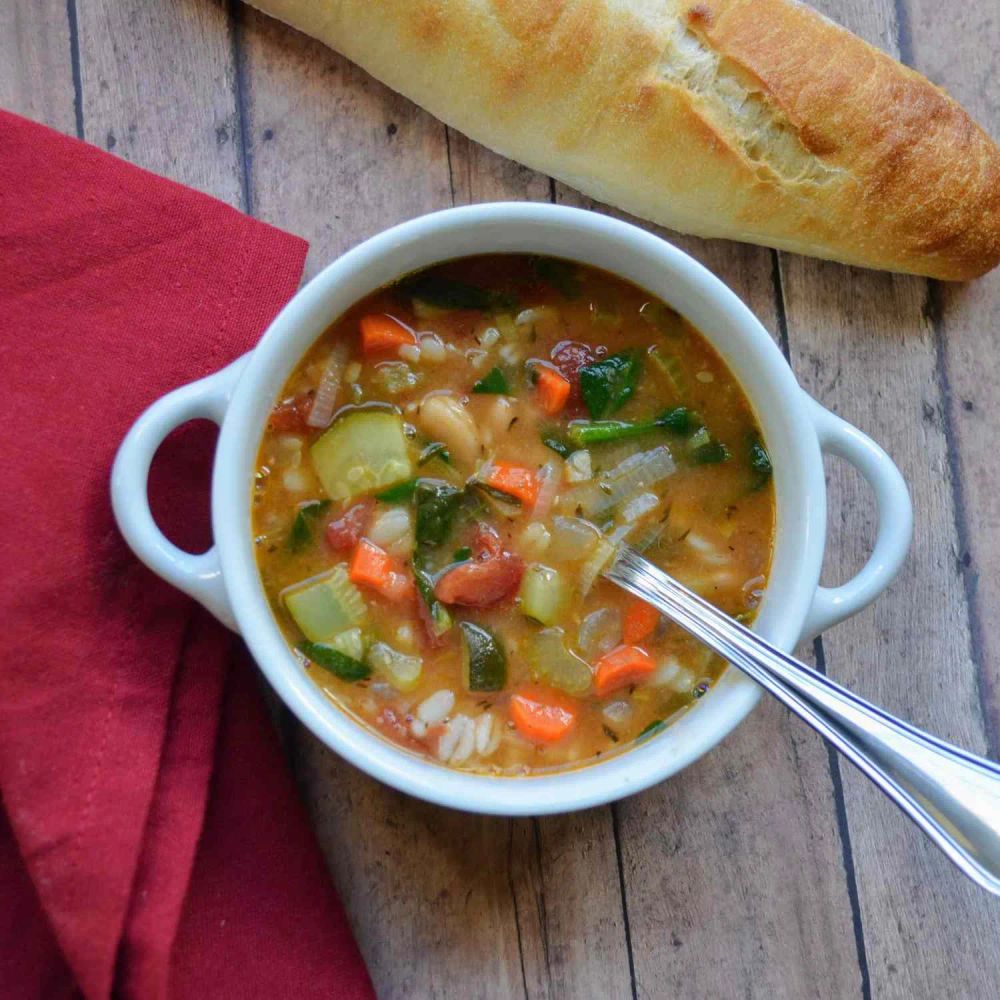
(768, 868)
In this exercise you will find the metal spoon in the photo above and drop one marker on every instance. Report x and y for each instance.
(953, 796)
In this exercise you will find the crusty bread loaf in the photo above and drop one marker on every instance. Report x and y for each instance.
(756, 120)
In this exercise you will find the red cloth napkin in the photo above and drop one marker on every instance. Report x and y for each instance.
(151, 843)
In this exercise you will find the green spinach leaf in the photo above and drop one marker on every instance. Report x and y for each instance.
(607, 385)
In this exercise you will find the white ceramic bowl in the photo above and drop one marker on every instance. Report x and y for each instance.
(797, 431)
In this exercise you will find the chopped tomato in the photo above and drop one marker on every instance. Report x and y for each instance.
(622, 666)
(553, 390)
(290, 415)
(514, 480)
(381, 333)
(345, 531)
(569, 356)
(541, 714)
(374, 567)
(640, 621)
(481, 583)
(486, 542)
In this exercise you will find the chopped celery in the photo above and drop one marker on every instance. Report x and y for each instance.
(551, 661)
(364, 451)
(325, 605)
(484, 662)
(351, 643)
(329, 658)
(401, 671)
(544, 594)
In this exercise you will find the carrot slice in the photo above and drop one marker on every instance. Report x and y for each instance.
(381, 333)
(514, 480)
(622, 666)
(640, 621)
(553, 390)
(541, 715)
(374, 567)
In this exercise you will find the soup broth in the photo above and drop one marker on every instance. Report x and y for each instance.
(448, 470)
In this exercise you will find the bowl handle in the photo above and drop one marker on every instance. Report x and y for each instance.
(832, 605)
(200, 575)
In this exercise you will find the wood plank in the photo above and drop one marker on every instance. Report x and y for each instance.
(36, 69)
(961, 52)
(734, 869)
(158, 89)
(335, 156)
(351, 160)
(861, 343)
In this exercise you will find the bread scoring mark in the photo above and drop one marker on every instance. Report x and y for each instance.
(766, 138)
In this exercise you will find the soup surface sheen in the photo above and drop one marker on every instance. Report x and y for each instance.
(447, 472)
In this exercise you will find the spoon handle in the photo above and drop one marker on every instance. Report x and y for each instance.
(952, 795)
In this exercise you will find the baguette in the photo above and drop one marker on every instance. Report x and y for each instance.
(755, 120)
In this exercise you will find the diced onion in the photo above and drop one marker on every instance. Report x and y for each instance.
(548, 485)
(321, 412)
(637, 473)
(638, 507)
(578, 467)
(572, 538)
(603, 553)
(600, 632)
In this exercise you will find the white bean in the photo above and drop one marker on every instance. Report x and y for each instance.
(432, 350)
(443, 418)
(434, 709)
(392, 530)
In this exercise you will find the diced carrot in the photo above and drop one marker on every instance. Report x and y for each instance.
(542, 715)
(514, 480)
(640, 621)
(381, 333)
(374, 567)
(622, 666)
(553, 390)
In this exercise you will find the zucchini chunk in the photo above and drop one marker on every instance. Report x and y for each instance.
(364, 451)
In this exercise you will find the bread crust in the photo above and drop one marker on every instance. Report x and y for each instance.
(756, 120)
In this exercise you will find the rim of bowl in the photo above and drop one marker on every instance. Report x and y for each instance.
(635, 255)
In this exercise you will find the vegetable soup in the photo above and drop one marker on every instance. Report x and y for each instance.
(449, 470)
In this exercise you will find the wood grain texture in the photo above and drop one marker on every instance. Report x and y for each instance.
(862, 344)
(158, 89)
(37, 64)
(962, 51)
(764, 870)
